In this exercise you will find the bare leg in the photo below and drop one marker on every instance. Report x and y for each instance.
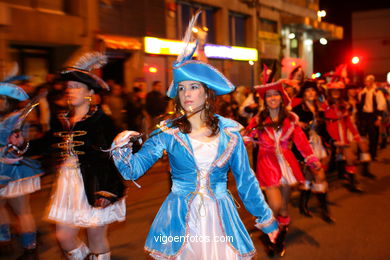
(4, 217)
(274, 199)
(285, 191)
(5, 232)
(67, 237)
(21, 207)
(97, 240)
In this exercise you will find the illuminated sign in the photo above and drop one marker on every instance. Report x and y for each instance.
(152, 69)
(169, 47)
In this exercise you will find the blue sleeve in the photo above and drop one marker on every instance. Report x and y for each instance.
(6, 127)
(132, 166)
(249, 190)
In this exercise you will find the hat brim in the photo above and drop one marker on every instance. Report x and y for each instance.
(202, 72)
(13, 91)
(335, 85)
(304, 87)
(262, 89)
(91, 80)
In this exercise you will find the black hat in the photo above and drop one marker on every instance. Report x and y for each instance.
(308, 84)
(81, 71)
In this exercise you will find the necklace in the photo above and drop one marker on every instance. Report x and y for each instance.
(275, 123)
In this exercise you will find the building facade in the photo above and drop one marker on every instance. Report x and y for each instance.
(242, 35)
(371, 43)
(42, 35)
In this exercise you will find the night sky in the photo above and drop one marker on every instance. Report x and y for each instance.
(339, 12)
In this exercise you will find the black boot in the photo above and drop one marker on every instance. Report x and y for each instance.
(322, 199)
(269, 247)
(280, 248)
(29, 254)
(340, 168)
(303, 203)
(383, 144)
(353, 183)
(366, 172)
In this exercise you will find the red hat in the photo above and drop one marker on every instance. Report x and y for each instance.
(262, 89)
(336, 85)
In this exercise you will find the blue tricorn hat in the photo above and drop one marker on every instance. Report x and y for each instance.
(184, 68)
(199, 71)
(13, 91)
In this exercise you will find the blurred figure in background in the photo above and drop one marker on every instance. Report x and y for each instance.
(338, 124)
(115, 102)
(311, 120)
(360, 147)
(227, 106)
(19, 176)
(135, 112)
(372, 104)
(240, 95)
(155, 104)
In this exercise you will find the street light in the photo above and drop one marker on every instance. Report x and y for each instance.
(291, 36)
(308, 42)
(251, 62)
(323, 41)
(320, 14)
(355, 60)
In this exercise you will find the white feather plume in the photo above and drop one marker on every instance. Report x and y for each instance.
(91, 61)
(188, 48)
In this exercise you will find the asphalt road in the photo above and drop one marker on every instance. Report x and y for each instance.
(361, 231)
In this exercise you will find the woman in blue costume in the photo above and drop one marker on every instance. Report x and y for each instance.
(198, 219)
(18, 176)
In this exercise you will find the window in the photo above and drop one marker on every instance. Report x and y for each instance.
(53, 5)
(32, 61)
(294, 48)
(237, 29)
(206, 19)
(267, 25)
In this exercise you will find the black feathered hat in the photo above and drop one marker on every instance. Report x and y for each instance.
(81, 71)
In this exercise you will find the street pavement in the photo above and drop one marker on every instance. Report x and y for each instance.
(361, 231)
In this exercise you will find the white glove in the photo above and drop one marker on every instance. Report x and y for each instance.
(123, 138)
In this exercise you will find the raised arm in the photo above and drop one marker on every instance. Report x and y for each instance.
(132, 166)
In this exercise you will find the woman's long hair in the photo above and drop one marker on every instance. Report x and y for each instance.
(210, 119)
(264, 114)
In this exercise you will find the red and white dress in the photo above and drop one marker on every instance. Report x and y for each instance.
(276, 163)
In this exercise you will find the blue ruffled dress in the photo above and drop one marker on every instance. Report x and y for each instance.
(172, 220)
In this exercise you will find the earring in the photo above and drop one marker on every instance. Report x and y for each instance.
(206, 105)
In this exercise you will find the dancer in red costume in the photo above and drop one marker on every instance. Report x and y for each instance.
(338, 123)
(277, 167)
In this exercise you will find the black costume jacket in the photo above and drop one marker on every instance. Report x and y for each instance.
(306, 116)
(86, 139)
